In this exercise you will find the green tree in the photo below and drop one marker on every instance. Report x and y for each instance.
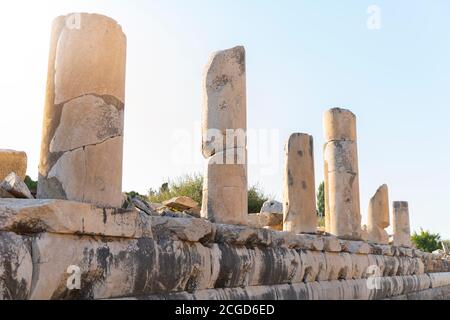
(321, 200)
(426, 240)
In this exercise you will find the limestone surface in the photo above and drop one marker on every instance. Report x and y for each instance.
(82, 142)
(378, 216)
(342, 206)
(224, 99)
(224, 145)
(299, 185)
(401, 227)
(225, 191)
(15, 186)
(273, 221)
(181, 203)
(12, 161)
(272, 206)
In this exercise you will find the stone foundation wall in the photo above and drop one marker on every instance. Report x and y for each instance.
(129, 254)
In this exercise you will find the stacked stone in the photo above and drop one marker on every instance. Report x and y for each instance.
(401, 227)
(342, 207)
(299, 210)
(224, 142)
(82, 141)
(378, 216)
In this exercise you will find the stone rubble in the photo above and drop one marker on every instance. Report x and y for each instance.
(271, 206)
(15, 186)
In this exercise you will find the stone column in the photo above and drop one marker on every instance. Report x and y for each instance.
(401, 228)
(341, 176)
(82, 140)
(378, 216)
(299, 208)
(224, 144)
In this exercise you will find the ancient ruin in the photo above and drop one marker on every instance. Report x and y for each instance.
(342, 209)
(82, 138)
(378, 216)
(82, 239)
(299, 196)
(224, 142)
(402, 232)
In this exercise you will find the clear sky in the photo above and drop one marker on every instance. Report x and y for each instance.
(303, 57)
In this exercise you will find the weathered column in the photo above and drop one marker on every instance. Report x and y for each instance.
(400, 225)
(82, 140)
(299, 208)
(224, 142)
(378, 216)
(341, 176)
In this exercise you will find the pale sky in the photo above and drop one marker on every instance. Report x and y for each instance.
(303, 57)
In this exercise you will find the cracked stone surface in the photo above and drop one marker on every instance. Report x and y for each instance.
(224, 117)
(82, 144)
(225, 192)
(127, 253)
(86, 120)
(299, 192)
(15, 186)
(342, 206)
(224, 97)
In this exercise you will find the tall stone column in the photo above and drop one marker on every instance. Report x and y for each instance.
(378, 216)
(341, 176)
(82, 139)
(299, 208)
(400, 225)
(224, 144)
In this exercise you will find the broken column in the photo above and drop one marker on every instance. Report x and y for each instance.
(342, 207)
(82, 140)
(299, 209)
(400, 224)
(378, 216)
(12, 161)
(224, 144)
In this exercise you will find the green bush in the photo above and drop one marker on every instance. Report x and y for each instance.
(256, 199)
(426, 241)
(192, 186)
(187, 185)
(31, 184)
(134, 194)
